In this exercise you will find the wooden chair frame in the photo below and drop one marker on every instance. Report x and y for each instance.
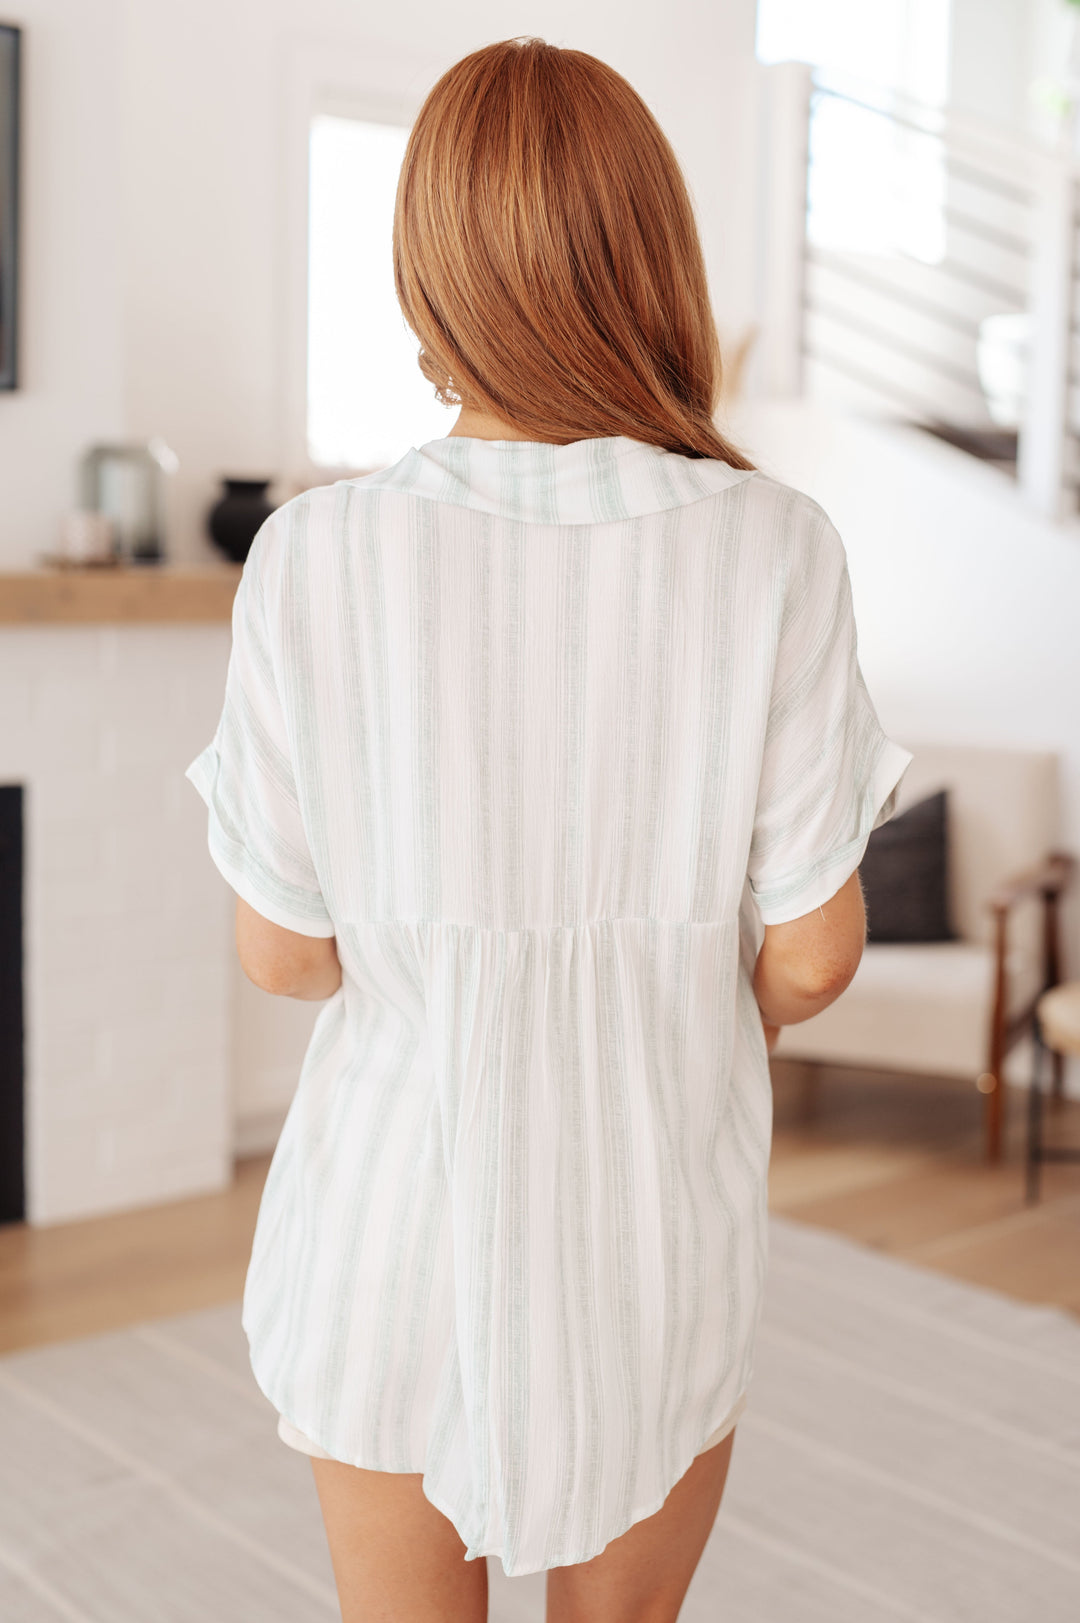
(1048, 880)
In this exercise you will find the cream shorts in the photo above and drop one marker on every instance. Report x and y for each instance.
(296, 1439)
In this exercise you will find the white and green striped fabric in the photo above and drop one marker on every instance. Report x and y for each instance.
(541, 734)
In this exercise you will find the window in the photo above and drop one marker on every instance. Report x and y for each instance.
(875, 186)
(367, 400)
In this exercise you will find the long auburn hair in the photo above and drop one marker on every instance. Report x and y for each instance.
(547, 257)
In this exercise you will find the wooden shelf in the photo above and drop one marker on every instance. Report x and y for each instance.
(127, 594)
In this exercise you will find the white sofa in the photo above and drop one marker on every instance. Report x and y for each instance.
(957, 1008)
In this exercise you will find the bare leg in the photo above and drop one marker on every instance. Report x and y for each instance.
(643, 1575)
(396, 1558)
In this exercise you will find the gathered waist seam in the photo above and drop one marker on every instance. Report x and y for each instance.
(540, 929)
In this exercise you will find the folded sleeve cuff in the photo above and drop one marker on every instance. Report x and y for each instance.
(800, 892)
(272, 897)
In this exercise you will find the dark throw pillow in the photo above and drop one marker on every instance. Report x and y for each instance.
(905, 875)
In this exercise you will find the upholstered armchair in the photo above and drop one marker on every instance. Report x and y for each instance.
(960, 1008)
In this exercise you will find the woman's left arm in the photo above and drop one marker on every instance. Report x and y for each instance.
(284, 962)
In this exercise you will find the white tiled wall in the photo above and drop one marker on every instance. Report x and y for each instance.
(130, 966)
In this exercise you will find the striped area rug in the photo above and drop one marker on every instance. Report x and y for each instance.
(911, 1451)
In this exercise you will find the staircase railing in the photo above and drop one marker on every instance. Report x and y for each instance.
(921, 265)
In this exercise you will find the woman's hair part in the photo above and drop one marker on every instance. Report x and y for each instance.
(547, 258)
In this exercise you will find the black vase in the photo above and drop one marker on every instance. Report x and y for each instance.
(235, 519)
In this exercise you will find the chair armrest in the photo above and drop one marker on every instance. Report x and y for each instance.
(1049, 878)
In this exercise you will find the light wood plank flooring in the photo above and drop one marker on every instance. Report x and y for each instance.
(893, 1162)
(896, 1163)
(71, 1279)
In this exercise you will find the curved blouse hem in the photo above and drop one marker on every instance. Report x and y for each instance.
(734, 1415)
(636, 1516)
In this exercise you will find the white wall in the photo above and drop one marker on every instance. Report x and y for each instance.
(966, 604)
(71, 338)
(1053, 27)
(1000, 50)
(155, 224)
(128, 937)
(991, 58)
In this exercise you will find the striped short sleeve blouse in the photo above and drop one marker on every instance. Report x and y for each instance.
(541, 734)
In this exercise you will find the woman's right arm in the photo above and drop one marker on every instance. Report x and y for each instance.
(805, 963)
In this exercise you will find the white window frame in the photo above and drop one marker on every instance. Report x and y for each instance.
(375, 83)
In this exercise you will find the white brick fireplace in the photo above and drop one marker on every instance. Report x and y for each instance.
(128, 944)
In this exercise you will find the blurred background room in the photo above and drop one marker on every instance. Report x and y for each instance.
(197, 321)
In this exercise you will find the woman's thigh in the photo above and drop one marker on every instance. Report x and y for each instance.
(643, 1575)
(397, 1559)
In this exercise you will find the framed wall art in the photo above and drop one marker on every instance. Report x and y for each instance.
(10, 42)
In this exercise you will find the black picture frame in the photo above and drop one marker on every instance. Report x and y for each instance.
(10, 66)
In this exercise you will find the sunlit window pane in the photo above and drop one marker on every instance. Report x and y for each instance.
(876, 187)
(367, 398)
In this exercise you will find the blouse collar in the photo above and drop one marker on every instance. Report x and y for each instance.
(591, 481)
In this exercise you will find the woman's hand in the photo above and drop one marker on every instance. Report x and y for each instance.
(772, 1035)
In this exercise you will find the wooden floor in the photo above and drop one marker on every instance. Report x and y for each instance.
(897, 1163)
(893, 1162)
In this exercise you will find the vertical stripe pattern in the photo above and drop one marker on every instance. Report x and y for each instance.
(540, 734)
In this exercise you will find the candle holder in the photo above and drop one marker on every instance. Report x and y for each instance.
(126, 483)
